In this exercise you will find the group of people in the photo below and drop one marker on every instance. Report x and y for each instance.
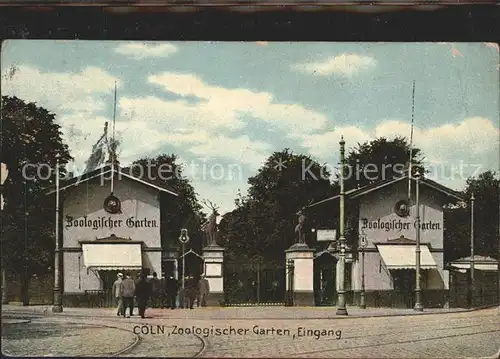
(157, 293)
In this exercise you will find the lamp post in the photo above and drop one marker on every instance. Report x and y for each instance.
(183, 238)
(418, 300)
(362, 304)
(341, 308)
(57, 307)
(472, 281)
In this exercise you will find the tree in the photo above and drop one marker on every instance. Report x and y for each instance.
(183, 211)
(367, 163)
(262, 225)
(30, 140)
(380, 159)
(485, 188)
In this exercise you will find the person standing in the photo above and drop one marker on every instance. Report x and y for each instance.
(155, 294)
(127, 288)
(191, 292)
(172, 288)
(203, 290)
(143, 291)
(117, 294)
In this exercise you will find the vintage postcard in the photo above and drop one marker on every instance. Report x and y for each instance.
(250, 199)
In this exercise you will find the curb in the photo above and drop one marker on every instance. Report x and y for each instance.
(329, 317)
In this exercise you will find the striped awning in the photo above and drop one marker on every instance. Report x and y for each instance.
(401, 256)
(111, 256)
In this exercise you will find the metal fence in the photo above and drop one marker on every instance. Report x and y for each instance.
(255, 284)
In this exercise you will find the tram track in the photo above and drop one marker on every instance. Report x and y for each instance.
(393, 343)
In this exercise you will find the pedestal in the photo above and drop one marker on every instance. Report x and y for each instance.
(213, 257)
(303, 273)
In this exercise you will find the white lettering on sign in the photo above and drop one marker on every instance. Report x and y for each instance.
(108, 222)
(326, 235)
(398, 225)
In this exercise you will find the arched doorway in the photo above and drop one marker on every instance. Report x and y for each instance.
(325, 293)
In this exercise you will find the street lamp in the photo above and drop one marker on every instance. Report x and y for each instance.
(418, 302)
(472, 281)
(341, 308)
(57, 307)
(362, 304)
(183, 238)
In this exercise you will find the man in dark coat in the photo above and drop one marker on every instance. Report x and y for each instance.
(156, 294)
(171, 288)
(143, 291)
(191, 291)
(203, 290)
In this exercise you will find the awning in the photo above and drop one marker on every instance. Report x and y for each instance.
(110, 256)
(403, 256)
(482, 267)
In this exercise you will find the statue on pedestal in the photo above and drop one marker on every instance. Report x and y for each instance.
(211, 225)
(299, 228)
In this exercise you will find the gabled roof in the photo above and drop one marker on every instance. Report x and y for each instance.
(117, 171)
(358, 192)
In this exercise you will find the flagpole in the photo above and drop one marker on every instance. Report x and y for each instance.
(57, 307)
(411, 142)
(113, 146)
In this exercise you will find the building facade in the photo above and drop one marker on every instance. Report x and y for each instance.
(108, 226)
(382, 253)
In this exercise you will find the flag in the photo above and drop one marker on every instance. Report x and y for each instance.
(99, 150)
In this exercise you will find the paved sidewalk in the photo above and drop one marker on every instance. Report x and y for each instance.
(252, 332)
(237, 312)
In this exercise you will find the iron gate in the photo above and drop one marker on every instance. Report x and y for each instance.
(257, 284)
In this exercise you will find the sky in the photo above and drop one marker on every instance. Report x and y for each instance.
(224, 107)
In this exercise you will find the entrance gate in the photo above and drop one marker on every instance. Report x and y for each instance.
(256, 284)
(325, 293)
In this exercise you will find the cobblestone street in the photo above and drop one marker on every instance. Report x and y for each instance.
(251, 332)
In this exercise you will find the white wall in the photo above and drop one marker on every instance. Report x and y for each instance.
(437, 278)
(86, 200)
(380, 205)
(77, 278)
(152, 260)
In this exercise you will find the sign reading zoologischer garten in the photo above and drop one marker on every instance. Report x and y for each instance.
(398, 225)
(109, 222)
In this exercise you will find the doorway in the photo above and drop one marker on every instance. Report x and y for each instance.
(404, 287)
(325, 293)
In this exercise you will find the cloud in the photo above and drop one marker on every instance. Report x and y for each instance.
(346, 65)
(141, 50)
(220, 107)
(60, 91)
(461, 148)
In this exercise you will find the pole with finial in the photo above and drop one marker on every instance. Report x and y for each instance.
(418, 294)
(472, 269)
(341, 308)
(113, 146)
(411, 142)
(57, 306)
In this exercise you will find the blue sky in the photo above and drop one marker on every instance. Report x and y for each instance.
(223, 108)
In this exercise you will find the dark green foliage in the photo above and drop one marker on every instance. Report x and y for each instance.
(262, 226)
(486, 211)
(179, 212)
(380, 159)
(29, 136)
